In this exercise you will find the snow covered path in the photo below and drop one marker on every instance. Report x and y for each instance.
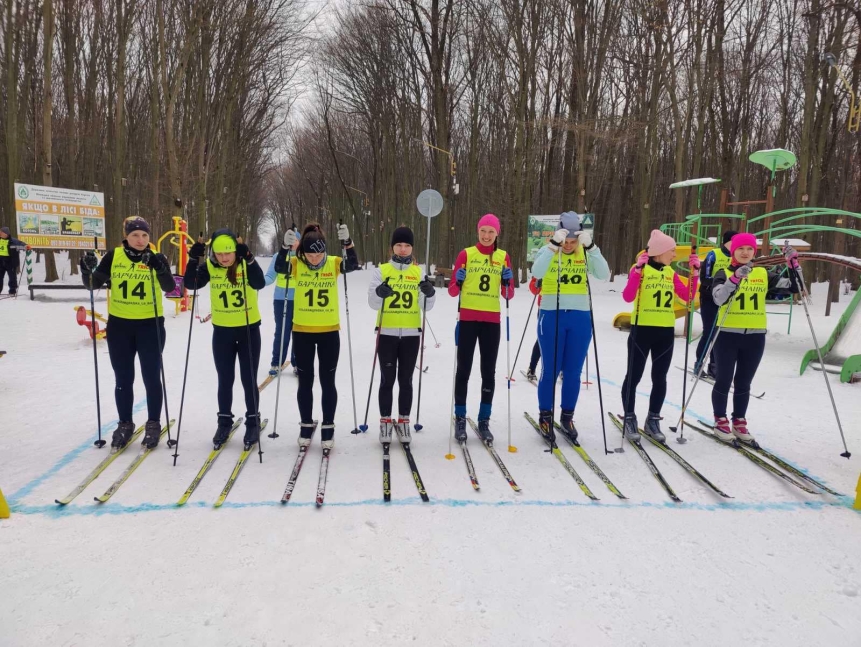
(772, 566)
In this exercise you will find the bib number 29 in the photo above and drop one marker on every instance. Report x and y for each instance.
(322, 298)
(401, 300)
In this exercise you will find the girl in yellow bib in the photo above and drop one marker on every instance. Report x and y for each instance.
(234, 278)
(740, 291)
(652, 284)
(133, 327)
(316, 321)
(398, 291)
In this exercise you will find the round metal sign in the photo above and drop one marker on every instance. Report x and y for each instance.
(429, 203)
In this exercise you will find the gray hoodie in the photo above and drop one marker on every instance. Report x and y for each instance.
(376, 302)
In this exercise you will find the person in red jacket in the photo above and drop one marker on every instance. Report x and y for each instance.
(482, 273)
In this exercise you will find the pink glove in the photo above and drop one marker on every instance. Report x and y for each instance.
(791, 257)
(642, 259)
(694, 261)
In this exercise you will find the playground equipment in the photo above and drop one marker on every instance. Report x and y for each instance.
(178, 237)
(4, 507)
(84, 316)
(842, 351)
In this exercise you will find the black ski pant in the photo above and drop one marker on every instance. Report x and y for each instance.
(738, 356)
(708, 313)
(397, 356)
(536, 355)
(228, 344)
(9, 270)
(127, 338)
(327, 347)
(643, 341)
(486, 335)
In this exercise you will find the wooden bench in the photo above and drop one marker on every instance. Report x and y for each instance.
(52, 286)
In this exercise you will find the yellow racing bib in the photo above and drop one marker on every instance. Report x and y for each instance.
(4, 247)
(228, 301)
(315, 302)
(401, 310)
(654, 303)
(572, 280)
(747, 304)
(131, 294)
(480, 290)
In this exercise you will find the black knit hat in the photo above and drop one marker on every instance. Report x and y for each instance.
(403, 235)
(135, 223)
(727, 236)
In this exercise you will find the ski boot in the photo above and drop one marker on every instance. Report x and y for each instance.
(653, 427)
(722, 429)
(152, 434)
(122, 435)
(225, 424)
(545, 426)
(386, 427)
(327, 435)
(460, 429)
(273, 370)
(403, 429)
(566, 421)
(629, 427)
(306, 430)
(739, 430)
(484, 432)
(252, 430)
(530, 374)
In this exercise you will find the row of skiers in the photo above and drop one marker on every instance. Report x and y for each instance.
(306, 306)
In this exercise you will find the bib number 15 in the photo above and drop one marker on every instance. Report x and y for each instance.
(322, 298)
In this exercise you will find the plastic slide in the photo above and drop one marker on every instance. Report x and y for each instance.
(82, 316)
(842, 352)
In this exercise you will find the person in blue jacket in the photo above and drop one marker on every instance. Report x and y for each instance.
(277, 274)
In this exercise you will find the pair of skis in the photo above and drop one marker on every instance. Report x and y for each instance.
(470, 467)
(101, 467)
(754, 452)
(554, 449)
(270, 378)
(411, 461)
(297, 466)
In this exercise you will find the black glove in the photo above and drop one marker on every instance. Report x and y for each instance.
(427, 288)
(158, 263)
(197, 250)
(242, 252)
(384, 290)
(89, 262)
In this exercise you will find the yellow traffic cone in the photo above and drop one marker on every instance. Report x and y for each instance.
(857, 505)
(4, 507)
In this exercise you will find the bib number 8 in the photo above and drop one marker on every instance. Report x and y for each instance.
(484, 283)
(238, 301)
(137, 290)
(401, 301)
(322, 297)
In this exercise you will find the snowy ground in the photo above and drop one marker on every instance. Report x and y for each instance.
(773, 566)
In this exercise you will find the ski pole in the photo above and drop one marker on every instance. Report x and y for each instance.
(426, 322)
(185, 370)
(155, 296)
(450, 455)
(99, 443)
(435, 341)
(793, 267)
(556, 346)
(364, 426)
(356, 429)
(251, 371)
(525, 326)
(595, 348)
(274, 433)
(511, 448)
(632, 342)
(689, 315)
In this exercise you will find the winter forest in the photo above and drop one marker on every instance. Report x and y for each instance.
(257, 114)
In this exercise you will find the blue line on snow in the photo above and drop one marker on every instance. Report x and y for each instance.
(65, 460)
(56, 512)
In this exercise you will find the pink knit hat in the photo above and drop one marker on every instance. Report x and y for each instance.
(742, 240)
(489, 220)
(659, 243)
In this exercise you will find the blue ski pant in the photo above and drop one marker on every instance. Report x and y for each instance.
(278, 308)
(575, 333)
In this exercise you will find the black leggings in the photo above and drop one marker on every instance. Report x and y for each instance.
(487, 335)
(657, 340)
(536, 355)
(228, 343)
(708, 313)
(127, 338)
(397, 356)
(327, 346)
(738, 357)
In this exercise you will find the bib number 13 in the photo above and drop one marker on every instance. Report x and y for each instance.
(237, 302)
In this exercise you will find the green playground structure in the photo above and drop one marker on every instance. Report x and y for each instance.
(837, 352)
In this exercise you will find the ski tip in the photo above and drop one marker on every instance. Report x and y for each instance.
(58, 502)
(449, 457)
(512, 449)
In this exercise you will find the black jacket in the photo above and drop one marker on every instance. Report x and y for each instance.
(197, 275)
(102, 273)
